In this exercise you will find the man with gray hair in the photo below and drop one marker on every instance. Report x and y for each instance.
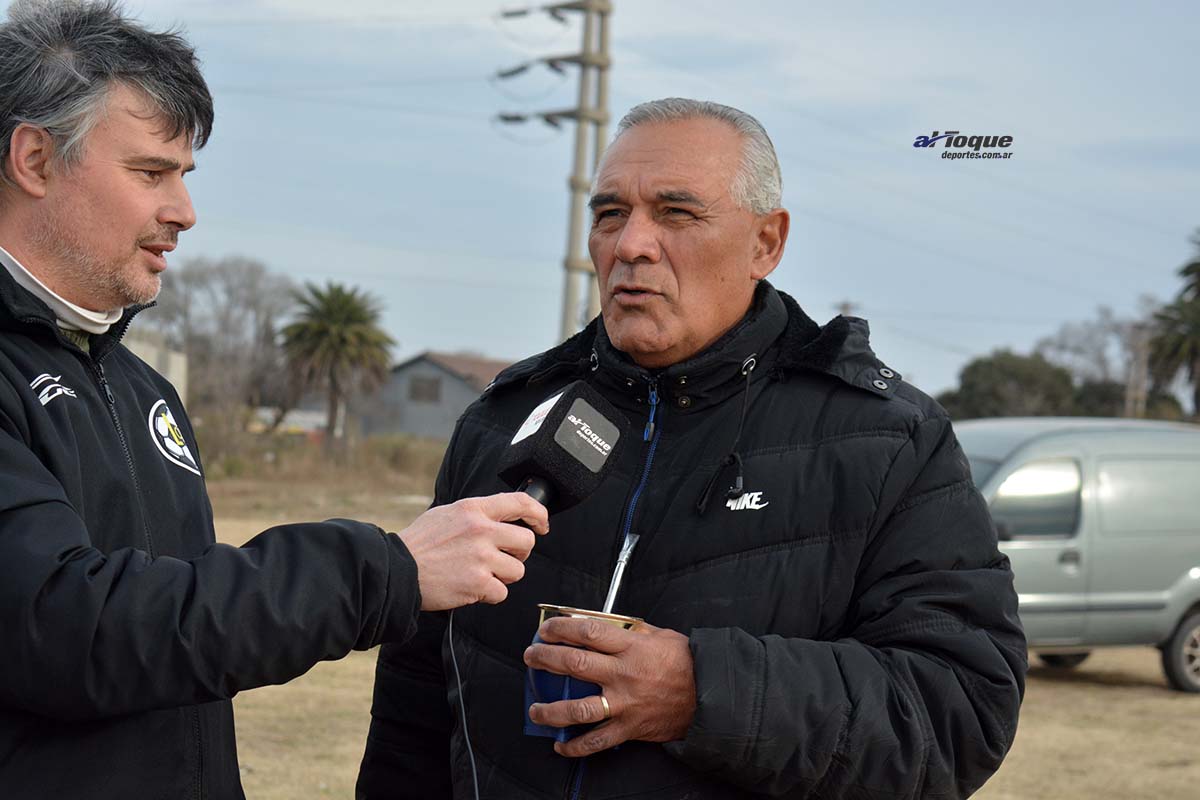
(827, 614)
(125, 629)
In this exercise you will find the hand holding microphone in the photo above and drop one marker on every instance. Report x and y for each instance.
(467, 552)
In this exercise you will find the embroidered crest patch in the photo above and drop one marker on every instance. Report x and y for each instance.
(169, 438)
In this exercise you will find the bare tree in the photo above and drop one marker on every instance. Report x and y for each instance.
(1106, 351)
(225, 315)
(1092, 350)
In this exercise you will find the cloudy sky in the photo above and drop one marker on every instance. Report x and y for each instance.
(355, 141)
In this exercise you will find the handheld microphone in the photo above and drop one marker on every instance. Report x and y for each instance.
(565, 448)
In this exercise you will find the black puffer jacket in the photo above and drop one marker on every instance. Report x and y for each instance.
(853, 625)
(124, 628)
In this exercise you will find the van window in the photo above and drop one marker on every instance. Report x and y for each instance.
(1152, 495)
(1041, 499)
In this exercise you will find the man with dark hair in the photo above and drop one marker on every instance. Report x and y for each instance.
(827, 612)
(125, 629)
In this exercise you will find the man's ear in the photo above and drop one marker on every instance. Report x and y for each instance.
(771, 232)
(29, 159)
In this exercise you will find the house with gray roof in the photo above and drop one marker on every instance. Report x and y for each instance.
(425, 395)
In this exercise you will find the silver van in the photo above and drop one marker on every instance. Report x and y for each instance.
(1101, 519)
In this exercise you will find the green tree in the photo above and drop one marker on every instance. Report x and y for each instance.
(1006, 384)
(1175, 345)
(1099, 399)
(336, 344)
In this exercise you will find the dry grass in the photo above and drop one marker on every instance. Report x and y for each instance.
(1108, 729)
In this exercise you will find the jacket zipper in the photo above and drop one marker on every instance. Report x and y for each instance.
(116, 421)
(576, 779)
(137, 487)
(650, 434)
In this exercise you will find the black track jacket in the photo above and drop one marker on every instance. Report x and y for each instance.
(853, 625)
(124, 630)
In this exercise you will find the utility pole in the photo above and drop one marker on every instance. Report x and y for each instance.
(846, 308)
(591, 110)
(1136, 381)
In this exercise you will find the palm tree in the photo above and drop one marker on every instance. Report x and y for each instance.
(336, 344)
(1190, 273)
(1175, 345)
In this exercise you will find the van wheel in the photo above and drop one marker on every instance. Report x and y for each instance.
(1063, 660)
(1181, 656)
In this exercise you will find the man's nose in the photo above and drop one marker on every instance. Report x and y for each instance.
(638, 241)
(178, 210)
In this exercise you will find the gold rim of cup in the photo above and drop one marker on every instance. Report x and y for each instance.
(620, 620)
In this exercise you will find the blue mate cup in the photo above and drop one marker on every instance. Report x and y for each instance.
(547, 687)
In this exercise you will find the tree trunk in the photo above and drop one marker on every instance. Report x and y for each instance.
(286, 404)
(332, 413)
(1196, 396)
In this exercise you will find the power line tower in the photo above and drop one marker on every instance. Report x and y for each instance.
(590, 111)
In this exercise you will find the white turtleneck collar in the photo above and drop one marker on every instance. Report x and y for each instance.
(69, 316)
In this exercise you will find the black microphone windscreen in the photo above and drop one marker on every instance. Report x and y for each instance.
(569, 441)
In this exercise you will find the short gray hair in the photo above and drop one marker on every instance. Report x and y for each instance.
(60, 58)
(758, 185)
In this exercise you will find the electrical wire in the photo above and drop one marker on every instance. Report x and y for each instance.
(350, 103)
(501, 87)
(343, 19)
(550, 134)
(528, 43)
(928, 204)
(462, 704)
(928, 342)
(972, 262)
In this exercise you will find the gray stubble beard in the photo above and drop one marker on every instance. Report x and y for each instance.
(95, 279)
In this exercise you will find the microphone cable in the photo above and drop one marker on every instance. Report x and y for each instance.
(462, 705)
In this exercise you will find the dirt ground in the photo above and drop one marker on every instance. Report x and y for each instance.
(1108, 729)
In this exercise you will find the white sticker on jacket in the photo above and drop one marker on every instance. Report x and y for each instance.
(534, 421)
(169, 438)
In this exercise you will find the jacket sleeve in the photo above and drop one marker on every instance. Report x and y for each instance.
(918, 697)
(90, 635)
(408, 745)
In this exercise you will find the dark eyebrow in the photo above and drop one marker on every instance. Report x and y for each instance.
(157, 162)
(605, 199)
(668, 196)
(679, 196)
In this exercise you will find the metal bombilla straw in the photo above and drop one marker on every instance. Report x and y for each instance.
(622, 560)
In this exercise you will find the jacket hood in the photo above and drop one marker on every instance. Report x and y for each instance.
(841, 348)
